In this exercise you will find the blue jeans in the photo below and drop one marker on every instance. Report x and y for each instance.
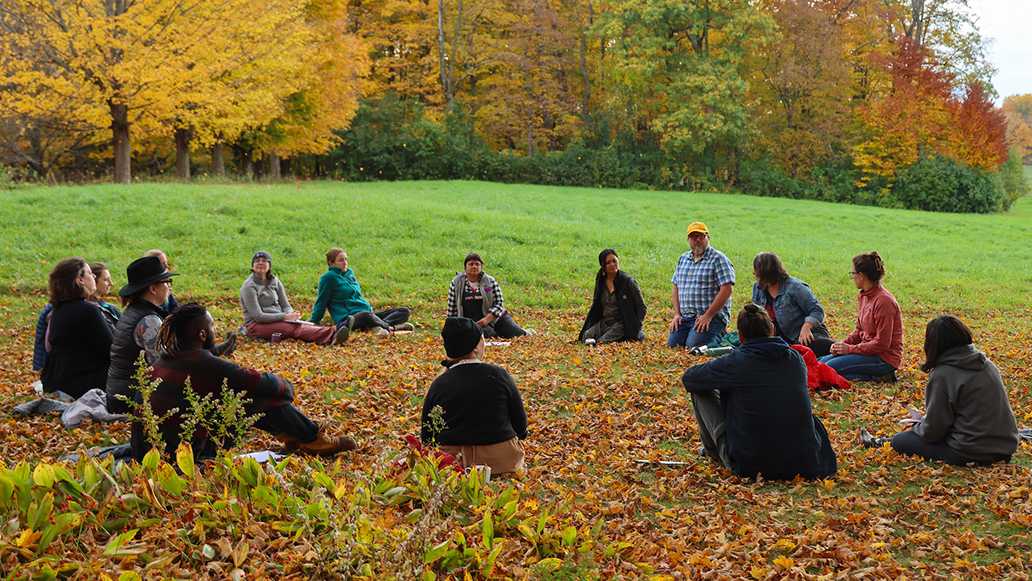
(686, 336)
(858, 367)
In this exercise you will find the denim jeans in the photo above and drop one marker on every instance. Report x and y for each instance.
(858, 367)
(685, 335)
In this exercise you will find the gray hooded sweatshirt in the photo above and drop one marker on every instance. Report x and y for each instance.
(966, 407)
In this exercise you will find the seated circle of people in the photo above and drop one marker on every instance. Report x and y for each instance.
(148, 287)
(753, 407)
(874, 350)
(170, 303)
(187, 341)
(476, 295)
(483, 415)
(267, 309)
(968, 417)
(341, 295)
(78, 335)
(797, 315)
(703, 281)
(111, 313)
(617, 307)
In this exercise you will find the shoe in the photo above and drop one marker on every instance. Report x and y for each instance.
(380, 332)
(867, 440)
(322, 445)
(343, 331)
(404, 327)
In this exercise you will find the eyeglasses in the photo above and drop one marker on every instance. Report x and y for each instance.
(168, 282)
(853, 273)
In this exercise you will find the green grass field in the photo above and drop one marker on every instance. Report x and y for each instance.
(592, 412)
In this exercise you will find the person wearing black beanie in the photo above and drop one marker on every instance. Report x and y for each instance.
(482, 411)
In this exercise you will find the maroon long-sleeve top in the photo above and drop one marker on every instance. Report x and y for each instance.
(879, 327)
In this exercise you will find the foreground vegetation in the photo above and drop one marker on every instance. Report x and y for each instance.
(585, 507)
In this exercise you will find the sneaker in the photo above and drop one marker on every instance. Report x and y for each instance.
(404, 327)
(343, 331)
(867, 440)
(322, 445)
(380, 332)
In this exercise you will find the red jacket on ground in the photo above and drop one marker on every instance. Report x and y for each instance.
(819, 375)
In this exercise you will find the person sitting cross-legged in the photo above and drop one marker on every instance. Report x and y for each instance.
(341, 295)
(186, 339)
(753, 407)
(874, 350)
(967, 418)
(617, 307)
(267, 310)
(483, 415)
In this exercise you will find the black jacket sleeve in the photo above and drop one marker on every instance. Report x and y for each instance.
(716, 374)
(517, 415)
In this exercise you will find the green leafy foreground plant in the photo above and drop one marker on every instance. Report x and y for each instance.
(405, 519)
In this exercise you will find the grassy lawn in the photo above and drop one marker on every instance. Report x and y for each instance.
(591, 412)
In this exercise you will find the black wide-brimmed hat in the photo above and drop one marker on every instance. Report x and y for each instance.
(142, 273)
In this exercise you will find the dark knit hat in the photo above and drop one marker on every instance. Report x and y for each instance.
(261, 254)
(461, 336)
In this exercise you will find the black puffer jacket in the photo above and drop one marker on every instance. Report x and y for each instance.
(125, 352)
(628, 299)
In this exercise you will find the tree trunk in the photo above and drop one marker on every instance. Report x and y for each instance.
(583, 64)
(183, 154)
(120, 142)
(218, 160)
(274, 167)
(443, 58)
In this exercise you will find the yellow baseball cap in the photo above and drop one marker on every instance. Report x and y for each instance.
(697, 227)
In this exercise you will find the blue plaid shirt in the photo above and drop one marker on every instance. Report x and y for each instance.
(699, 282)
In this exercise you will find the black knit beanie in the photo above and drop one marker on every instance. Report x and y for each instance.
(461, 336)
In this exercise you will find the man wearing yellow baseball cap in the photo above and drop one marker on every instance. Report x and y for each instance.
(702, 281)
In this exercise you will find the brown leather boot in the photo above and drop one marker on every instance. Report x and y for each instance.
(322, 445)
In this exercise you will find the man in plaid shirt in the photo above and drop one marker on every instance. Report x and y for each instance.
(702, 282)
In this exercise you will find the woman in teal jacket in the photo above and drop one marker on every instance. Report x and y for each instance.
(340, 294)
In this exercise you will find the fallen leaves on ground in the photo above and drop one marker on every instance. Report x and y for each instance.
(593, 412)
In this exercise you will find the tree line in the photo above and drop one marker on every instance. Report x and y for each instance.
(857, 100)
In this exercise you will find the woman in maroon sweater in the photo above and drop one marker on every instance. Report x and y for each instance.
(874, 350)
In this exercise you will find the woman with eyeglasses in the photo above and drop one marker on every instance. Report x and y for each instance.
(79, 337)
(874, 350)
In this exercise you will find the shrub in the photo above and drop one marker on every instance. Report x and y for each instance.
(6, 180)
(1012, 177)
(763, 178)
(943, 185)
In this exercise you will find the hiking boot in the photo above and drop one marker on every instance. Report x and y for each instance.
(322, 445)
(867, 440)
(343, 331)
(404, 327)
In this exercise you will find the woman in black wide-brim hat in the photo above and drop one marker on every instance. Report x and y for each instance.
(150, 284)
(147, 289)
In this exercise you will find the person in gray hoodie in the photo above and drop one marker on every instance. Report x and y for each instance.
(967, 418)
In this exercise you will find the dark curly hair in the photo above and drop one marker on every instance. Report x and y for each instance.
(869, 264)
